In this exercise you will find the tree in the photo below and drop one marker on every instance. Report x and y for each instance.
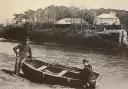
(18, 18)
(39, 15)
(54, 13)
(29, 15)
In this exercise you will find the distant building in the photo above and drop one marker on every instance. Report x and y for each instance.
(44, 18)
(71, 21)
(107, 19)
(19, 20)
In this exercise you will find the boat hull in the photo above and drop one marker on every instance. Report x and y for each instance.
(69, 79)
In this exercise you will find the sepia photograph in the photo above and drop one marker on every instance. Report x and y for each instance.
(63, 44)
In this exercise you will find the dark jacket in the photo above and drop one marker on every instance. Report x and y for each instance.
(86, 73)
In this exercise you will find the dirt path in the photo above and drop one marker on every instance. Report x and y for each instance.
(7, 81)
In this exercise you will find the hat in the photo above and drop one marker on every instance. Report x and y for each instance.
(25, 39)
(85, 60)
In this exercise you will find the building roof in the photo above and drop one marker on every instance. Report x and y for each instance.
(107, 16)
(70, 21)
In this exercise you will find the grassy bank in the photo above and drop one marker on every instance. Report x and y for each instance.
(66, 36)
(88, 38)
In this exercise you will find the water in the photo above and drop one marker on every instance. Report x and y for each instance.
(113, 66)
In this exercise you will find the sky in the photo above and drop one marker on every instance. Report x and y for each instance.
(10, 7)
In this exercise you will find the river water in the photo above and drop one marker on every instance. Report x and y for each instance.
(113, 66)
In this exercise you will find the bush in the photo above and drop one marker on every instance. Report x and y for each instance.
(16, 32)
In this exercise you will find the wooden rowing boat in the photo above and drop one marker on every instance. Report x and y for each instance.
(44, 72)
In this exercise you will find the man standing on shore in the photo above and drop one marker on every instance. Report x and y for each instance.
(22, 51)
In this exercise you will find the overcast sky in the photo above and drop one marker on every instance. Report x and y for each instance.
(9, 7)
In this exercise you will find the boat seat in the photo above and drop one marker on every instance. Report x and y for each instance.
(62, 73)
(41, 68)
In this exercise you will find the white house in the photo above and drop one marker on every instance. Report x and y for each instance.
(107, 19)
(71, 21)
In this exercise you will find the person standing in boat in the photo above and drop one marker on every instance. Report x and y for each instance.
(87, 74)
(22, 51)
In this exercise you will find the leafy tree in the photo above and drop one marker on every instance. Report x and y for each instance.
(29, 15)
(54, 13)
(18, 18)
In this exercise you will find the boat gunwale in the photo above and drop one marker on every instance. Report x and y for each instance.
(54, 75)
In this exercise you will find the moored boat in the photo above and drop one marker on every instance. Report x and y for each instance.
(44, 72)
